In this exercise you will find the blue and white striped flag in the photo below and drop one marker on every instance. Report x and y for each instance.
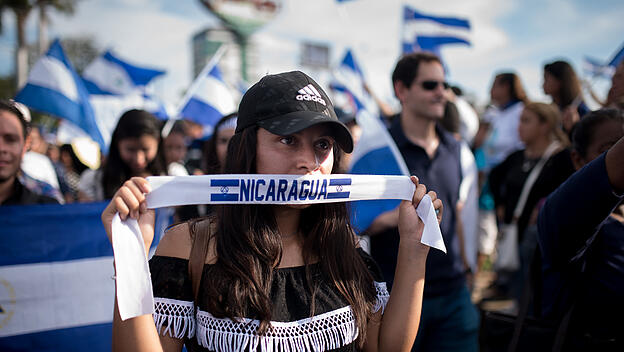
(108, 74)
(422, 32)
(55, 88)
(597, 68)
(348, 85)
(209, 98)
(56, 264)
(56, 292)
(375, 152)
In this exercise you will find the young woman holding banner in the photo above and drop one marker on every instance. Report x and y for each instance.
(276, 277)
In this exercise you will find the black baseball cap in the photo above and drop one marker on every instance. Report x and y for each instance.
(287, 103)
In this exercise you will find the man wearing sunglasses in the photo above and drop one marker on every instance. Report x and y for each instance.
(449, 320)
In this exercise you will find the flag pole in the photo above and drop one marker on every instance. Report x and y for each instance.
(191, 90)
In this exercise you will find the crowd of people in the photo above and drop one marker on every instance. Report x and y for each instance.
(545, 213)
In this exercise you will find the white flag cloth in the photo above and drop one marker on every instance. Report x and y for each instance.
(134, 292)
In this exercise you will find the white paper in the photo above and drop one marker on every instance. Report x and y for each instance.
(134, 284)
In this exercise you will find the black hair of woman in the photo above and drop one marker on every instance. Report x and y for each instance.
(568, 82)
(514, 84)
(133, 124)
(584, 132)
(210, 163)
(77, 165)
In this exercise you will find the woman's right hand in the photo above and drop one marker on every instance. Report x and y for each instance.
(129, 201)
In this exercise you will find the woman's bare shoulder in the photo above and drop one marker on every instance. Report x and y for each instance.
(178, 242)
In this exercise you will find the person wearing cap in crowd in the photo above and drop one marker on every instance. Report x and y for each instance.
(13, 134)
(276, 278)
(449, 319)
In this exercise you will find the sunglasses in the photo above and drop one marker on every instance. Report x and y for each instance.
(431, 85)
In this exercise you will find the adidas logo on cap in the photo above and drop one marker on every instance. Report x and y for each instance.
(309, 93)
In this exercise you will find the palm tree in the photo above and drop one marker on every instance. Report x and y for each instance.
(63, 6)
(21, 9)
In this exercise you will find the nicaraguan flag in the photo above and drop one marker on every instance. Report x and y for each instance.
(56, 292)
(55, 88)
(108, 74)
(208, 99)
(375, 152)
(597, 68)
(56, 265)
(423, 32)
(348, 85)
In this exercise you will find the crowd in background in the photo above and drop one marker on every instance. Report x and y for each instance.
(513, 154)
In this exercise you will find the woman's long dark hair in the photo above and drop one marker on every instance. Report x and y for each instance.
(569, 85)
(516, 90)
(210, 162)
(132, 124)
(249, 246)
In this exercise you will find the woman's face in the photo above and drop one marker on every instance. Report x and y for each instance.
(530, 127)
(223, 138)
(308, 152)
(499, 93)
(137, 153)
(550, 85)
(174, 147)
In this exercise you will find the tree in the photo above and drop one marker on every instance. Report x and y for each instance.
(21, 9)
(81, 51)
(67, 7)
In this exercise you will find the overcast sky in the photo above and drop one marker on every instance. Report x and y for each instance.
(518, 35)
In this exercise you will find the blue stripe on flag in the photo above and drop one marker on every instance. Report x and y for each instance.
(223, 197)
(340, 181)
(221, 183)
(410, 14)
(92, 338)
(431, 42)
(52, 233)
(93, 88)
(379, 161)
(141, 76)
(617, 58)
(201, 113)
(216, 73)
(337, 195)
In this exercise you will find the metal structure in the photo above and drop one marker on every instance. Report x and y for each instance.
(243, 18)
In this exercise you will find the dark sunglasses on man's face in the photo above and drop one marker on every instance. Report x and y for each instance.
(431, 85)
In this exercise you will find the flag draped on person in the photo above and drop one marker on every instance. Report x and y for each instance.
(54, 87)
(209, 98)
(375, 152)
(423, 32)
(108, 74)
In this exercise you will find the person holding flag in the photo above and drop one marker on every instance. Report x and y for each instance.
(280, 277)
(449, 319)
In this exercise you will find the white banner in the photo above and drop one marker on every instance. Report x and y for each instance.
(134, 294)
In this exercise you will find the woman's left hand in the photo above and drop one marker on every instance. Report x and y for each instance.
(410, 225)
